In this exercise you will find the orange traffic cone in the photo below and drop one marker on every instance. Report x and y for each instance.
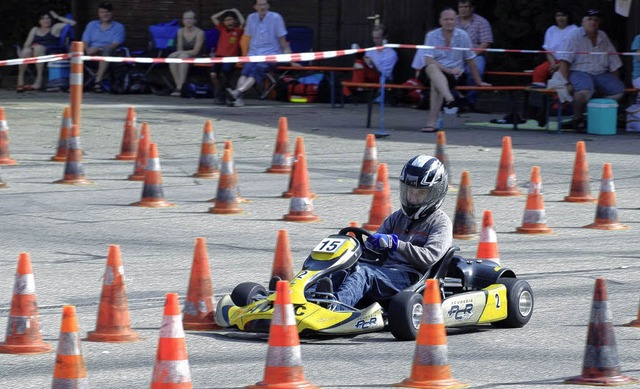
(171, 369)
(198, 306)
(152, 193)
(281, 160)
(70, 370)
(226, 201)
(534, 220)
(367, 181)
(129, 137)
(299, 150)
(580, 191)
(601, 365)
(282, 261)
(65, 128)
(381, 203)
(441, 154)
(506, 184)
(284, 361)
(430, 362)
(301, 206)
(5, 158)
(23, 330)
(464, 222)
(228, 145)
(73, 168)
(113, 324)
(142, 153)
(208, 165)
(634, 323)
(607, 210)
(488, 245)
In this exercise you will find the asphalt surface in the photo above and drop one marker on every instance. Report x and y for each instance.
(67, 231)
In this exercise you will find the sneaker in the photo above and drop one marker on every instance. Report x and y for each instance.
(238, 102)
(450, 108)
(233, 93)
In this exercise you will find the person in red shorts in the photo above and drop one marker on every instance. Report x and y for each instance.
(230, 25)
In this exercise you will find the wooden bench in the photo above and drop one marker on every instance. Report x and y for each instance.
(549, 93)
(372, 86)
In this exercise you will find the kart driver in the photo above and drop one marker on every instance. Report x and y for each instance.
(412, 238)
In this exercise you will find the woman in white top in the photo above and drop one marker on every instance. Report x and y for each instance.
(553, 39)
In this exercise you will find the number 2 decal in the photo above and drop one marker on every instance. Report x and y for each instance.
(497, 298)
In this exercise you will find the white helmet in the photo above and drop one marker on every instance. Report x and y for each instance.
(423, 186)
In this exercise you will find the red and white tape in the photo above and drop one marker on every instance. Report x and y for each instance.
(293, 57)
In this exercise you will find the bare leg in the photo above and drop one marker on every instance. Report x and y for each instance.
(38, 50)
(580, 99)
(183, 70)
(25, 53)
(439, 92)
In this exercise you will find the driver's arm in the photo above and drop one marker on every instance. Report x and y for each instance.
(439, 237)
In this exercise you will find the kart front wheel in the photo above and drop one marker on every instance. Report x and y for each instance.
(405, 313)
(247, 292)
(519, 303)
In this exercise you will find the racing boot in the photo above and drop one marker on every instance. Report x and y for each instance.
(324, 290)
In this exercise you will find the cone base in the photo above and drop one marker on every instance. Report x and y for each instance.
(634, 323)
(81, 181)
(153, 204)
(130, 336)
(542, 230)
(580, 199)
(134, 177)
(200, 326)
(284, 385)
(371, 227)
(300, 218)
(3, 184)
(364, 190)
(25, 349)
(498, 192)
(602, 381)
(206, 175)
(279, 170)
(444, 383)
(126, 157)
(612, 226)
(56, 158)
(8, 162)
(288, 195)
(466, 236)
(225, 211)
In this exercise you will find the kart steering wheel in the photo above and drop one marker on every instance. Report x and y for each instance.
(358, 233)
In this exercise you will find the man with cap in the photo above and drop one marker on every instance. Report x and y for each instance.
(103, 37)
(588, 74)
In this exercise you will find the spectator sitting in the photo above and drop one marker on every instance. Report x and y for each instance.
(444, 67)
(376, 63)
(103, 37)
(554, 38)
(230, 24)
(189, 45)
(589, 73)
(635, 45)
(266, 33)
(479, 31)
(41, 40)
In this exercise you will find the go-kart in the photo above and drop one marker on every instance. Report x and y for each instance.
(474, 291)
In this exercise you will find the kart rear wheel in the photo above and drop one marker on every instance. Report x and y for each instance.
(405, 313)
(247, 292)
(519, 303)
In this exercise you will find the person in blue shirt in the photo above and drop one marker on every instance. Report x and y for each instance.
(103, 37)
(267, 35)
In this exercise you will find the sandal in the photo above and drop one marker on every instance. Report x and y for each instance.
(97, 87)
(20, 88)
(176, 93)
(428, 129)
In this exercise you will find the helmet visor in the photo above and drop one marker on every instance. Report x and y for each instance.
(413, 198)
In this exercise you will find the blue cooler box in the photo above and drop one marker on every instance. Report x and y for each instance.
(602, 116)
(58, 70)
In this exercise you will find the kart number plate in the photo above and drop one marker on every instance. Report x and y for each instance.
(329, 245)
